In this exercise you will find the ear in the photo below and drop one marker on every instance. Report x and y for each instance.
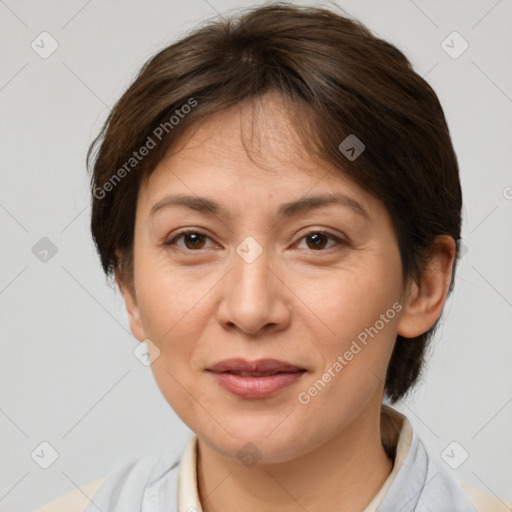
(130, 300)
(425, 300)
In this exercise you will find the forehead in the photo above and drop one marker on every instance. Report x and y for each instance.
(252, 147)
(260, 130)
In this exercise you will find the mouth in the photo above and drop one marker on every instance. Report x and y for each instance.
(259, 374)
(239, 366)
(263, 378)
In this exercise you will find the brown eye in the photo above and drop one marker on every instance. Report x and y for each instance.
(192, 240)
(318, 240)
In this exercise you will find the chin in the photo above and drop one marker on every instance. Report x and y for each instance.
(270, 440)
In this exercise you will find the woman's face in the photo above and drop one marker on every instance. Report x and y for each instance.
(269, 272)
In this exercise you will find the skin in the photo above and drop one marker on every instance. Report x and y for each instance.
(295, 303)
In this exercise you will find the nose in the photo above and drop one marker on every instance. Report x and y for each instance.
(254, 298)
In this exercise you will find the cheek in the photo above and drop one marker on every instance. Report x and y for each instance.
(356, 308)
(173, 318)
(171, 300)
(348, 301)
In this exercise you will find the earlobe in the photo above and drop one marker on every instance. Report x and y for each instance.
(425, 300)
(132, 308)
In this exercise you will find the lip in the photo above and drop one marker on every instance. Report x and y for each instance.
(262, 378)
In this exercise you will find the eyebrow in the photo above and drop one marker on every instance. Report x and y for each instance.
(290, 209)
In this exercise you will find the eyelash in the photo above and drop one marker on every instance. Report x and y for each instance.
(183, 233)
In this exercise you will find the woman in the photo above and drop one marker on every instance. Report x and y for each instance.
(279, 201)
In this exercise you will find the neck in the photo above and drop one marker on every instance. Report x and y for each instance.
(344, 473)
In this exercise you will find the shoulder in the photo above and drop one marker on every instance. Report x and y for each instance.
(422, 484)
(482, 501)
(76, 500)
(123, 488)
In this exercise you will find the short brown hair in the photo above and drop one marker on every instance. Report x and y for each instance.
(342, 80)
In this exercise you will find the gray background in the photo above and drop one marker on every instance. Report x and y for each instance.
(67, 372)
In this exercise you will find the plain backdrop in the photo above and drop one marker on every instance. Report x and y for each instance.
(68, 375)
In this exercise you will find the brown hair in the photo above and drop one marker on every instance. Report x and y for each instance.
(342, 80)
